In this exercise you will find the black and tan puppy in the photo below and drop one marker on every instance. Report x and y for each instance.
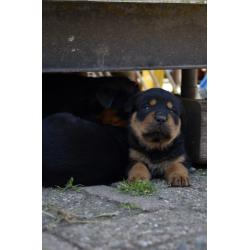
(156, 145)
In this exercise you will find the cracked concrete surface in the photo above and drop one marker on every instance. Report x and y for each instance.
(101, 217)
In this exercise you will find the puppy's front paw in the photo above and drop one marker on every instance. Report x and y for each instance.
(177, 176)
(139, 172)
(178, 180)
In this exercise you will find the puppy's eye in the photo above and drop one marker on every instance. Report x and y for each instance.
(146, 107)
(152, 102)
(169, 105)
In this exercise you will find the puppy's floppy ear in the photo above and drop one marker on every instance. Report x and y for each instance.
(130, 104)
(105, 98)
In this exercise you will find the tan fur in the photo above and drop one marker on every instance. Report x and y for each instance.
(109, 116)
(175, 129)
(139, 172)
(158, 168)
(141, 127)
(152, 102)
(169, 105)
(177, 175)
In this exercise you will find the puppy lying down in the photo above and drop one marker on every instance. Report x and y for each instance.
(95, 154)
(156, 145)
(91, 153)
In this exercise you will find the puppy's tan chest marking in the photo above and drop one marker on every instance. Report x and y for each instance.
(155, 168)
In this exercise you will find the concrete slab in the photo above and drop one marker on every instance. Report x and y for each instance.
(101, 217)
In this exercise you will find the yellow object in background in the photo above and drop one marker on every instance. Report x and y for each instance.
(148, 79)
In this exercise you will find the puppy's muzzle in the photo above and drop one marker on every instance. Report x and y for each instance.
(158, 129)
(160, 117)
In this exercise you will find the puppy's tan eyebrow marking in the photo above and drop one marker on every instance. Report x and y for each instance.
(152, 102)
(169, 105)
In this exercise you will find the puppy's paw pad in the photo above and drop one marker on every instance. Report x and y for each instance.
(178, 180)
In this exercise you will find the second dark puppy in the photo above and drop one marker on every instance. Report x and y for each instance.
(91, 153)
(99, 100)
(156, 144)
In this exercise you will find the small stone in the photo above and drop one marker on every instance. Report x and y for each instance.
(71, 38)
(50, 242)
(201, 243)
(182, 246)
(192, 170)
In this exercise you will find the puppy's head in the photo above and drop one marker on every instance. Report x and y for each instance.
(155, 119)
(112, 95)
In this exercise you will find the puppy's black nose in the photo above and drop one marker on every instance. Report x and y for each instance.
(160, 117)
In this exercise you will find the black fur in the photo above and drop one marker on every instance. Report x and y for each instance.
(86, 97)
(91, 153)
(75, 142)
